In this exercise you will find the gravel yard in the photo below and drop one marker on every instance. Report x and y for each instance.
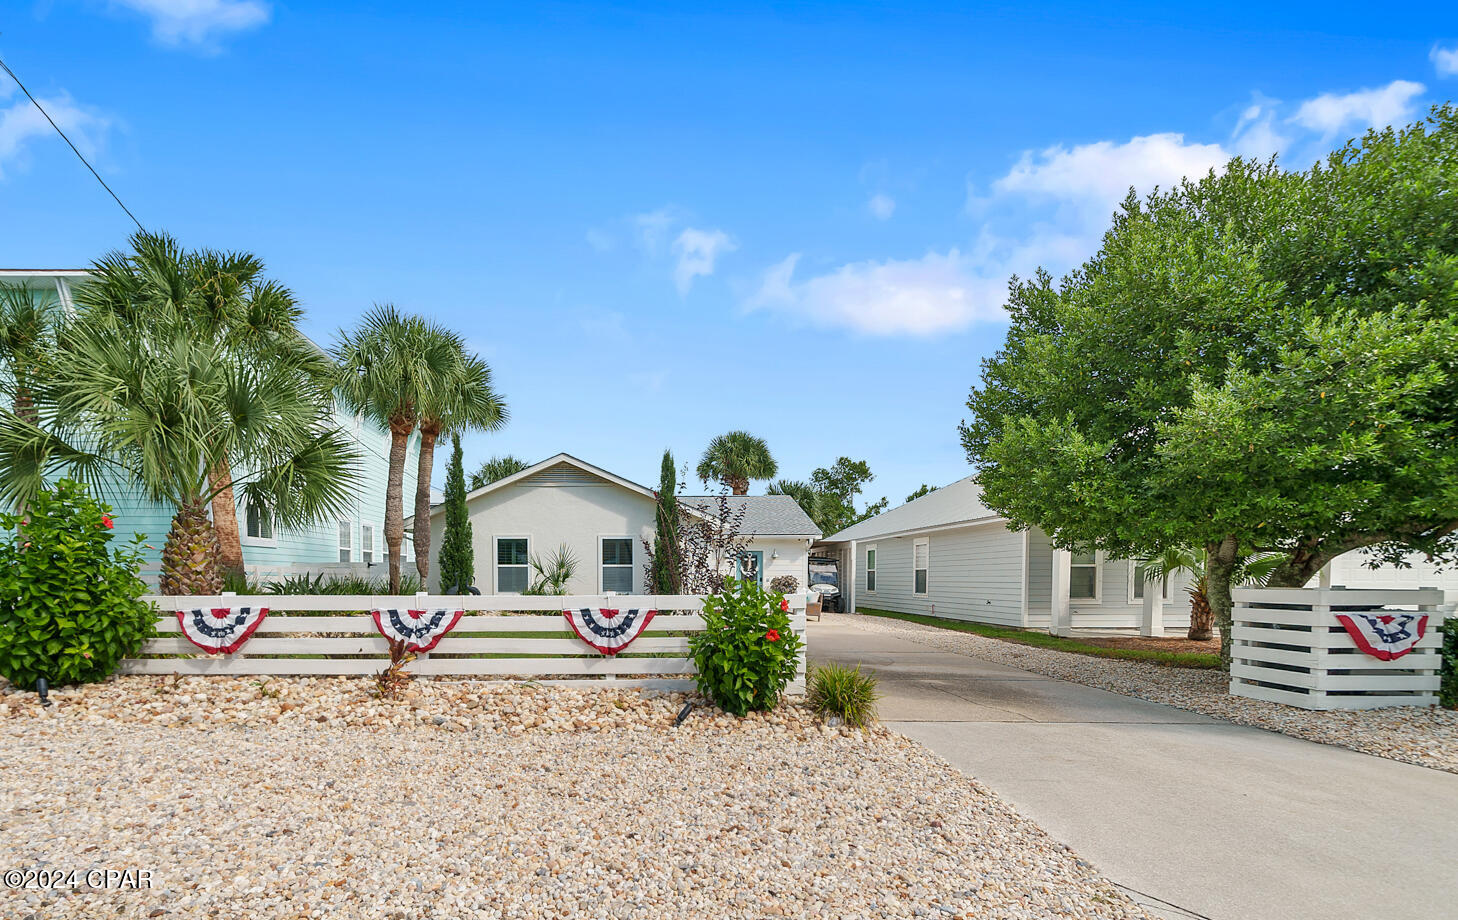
(1426, 736)
(308, 798)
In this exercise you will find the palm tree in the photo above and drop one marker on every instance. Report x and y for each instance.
(28, 322)
(497, 468)
(163, 408)
(734, 459)
(388, 368)
(220, 297)
(1159, 568)
(463, 400)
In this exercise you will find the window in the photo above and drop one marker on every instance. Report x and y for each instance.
(258, 524)
(617, 565)
(367, 543)
(1084, 581)
(871, 569)
(920, 561)
(1137, 584)
(346, 541)
(512, 574)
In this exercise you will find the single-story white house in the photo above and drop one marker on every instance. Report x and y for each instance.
(948, 555)
(604, 519)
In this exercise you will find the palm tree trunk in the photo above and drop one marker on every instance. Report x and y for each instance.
(738, 485)
(225, 519)
(1202, 618)
(400, 430)
(190, 555)
(429, 431)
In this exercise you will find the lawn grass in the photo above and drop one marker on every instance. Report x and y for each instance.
(1058, 643)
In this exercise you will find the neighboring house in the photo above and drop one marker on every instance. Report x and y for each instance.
(604, 520)
(354, 543)
(948, 555)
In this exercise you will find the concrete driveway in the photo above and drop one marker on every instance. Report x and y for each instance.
(1194, 817)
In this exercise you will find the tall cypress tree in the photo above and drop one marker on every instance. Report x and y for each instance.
(457, 559)
(665, 571)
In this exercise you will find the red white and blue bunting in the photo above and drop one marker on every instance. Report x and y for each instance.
(606, 630)
(420, 630)
(1385, 636)
(220, 630)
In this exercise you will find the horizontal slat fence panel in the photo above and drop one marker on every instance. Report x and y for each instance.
(1288, 647)
(499, 637)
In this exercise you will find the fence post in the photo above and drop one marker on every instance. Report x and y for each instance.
(420, 602)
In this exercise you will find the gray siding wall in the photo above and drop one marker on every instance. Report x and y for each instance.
(974, 573)
(1114, 611)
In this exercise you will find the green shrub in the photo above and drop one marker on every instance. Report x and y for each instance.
(847, 693)
(336, 584)
(747, 652)
(70, 604)
(1448, 692)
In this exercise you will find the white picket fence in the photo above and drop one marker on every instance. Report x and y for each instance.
(336, 636)
(1286, 646)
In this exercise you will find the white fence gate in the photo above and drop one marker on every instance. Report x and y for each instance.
(335, 635)
(1286, 646)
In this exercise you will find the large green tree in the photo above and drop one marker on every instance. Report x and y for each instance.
(1258, 361)
(830, 494)
(389, 366)
(734, 458)
(463, 399)
(457, 553)
(158, 408)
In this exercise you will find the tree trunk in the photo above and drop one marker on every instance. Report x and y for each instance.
(737, 484)
(429, 432)
(400, 430)
(1202, 618)
(1220, 560)
(190, 555)
(225, 519)
(1299, 568)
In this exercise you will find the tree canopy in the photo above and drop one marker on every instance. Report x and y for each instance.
(829, 496)
(1257, 361)
(736, 457)
(497, 468)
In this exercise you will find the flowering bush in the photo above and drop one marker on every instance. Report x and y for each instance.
(70, 605)
(747, 652)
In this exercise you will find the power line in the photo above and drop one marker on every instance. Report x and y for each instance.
(36, 102)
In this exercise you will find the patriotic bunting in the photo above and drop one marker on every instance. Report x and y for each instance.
(220, 630)
(420, 630)
(608, 631)
(1385, 636)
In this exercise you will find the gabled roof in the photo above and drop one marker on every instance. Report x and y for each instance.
(764, 515)
(558, 460)
(958, 503)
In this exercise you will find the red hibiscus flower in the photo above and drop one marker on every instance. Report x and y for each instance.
(784, 604)
(106, 521)
(773, 635)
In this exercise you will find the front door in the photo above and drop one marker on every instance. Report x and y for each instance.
(751, 567)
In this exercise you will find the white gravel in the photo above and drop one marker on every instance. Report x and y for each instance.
(308, 798)
(1427, 736)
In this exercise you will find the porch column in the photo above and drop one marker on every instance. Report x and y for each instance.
(848, 588)
(1060, 617)
(1151, 621)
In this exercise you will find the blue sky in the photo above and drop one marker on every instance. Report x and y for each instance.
(660, 225)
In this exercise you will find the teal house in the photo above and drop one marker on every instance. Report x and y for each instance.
(352, 544)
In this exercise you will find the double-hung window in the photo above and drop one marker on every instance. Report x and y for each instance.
(258, 524)
(617, 565)
(1084, 581)
(513, 574)
(367, 543)
(920, 563)
(1138, 583)
(871, 569)
(346, 541)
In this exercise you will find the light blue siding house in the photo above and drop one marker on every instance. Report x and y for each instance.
(354, 543)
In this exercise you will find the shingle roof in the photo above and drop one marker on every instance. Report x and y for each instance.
(951, 504)
(764, 515)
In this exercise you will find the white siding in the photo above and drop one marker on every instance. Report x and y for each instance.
(1349, 571)
(794, 558)
(974, 574)
(1113, 611)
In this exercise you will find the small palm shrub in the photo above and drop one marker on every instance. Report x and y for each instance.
(70, 602)
(847, 693)
(321, 583)
(747, 653)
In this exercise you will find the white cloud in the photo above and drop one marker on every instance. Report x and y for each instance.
(652, 228)
(198, 22)
(1255, 133)
(936, 293)
(697, 250)
(1369, 108)
(21, 123)
(1445, 61)
(882, 206)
